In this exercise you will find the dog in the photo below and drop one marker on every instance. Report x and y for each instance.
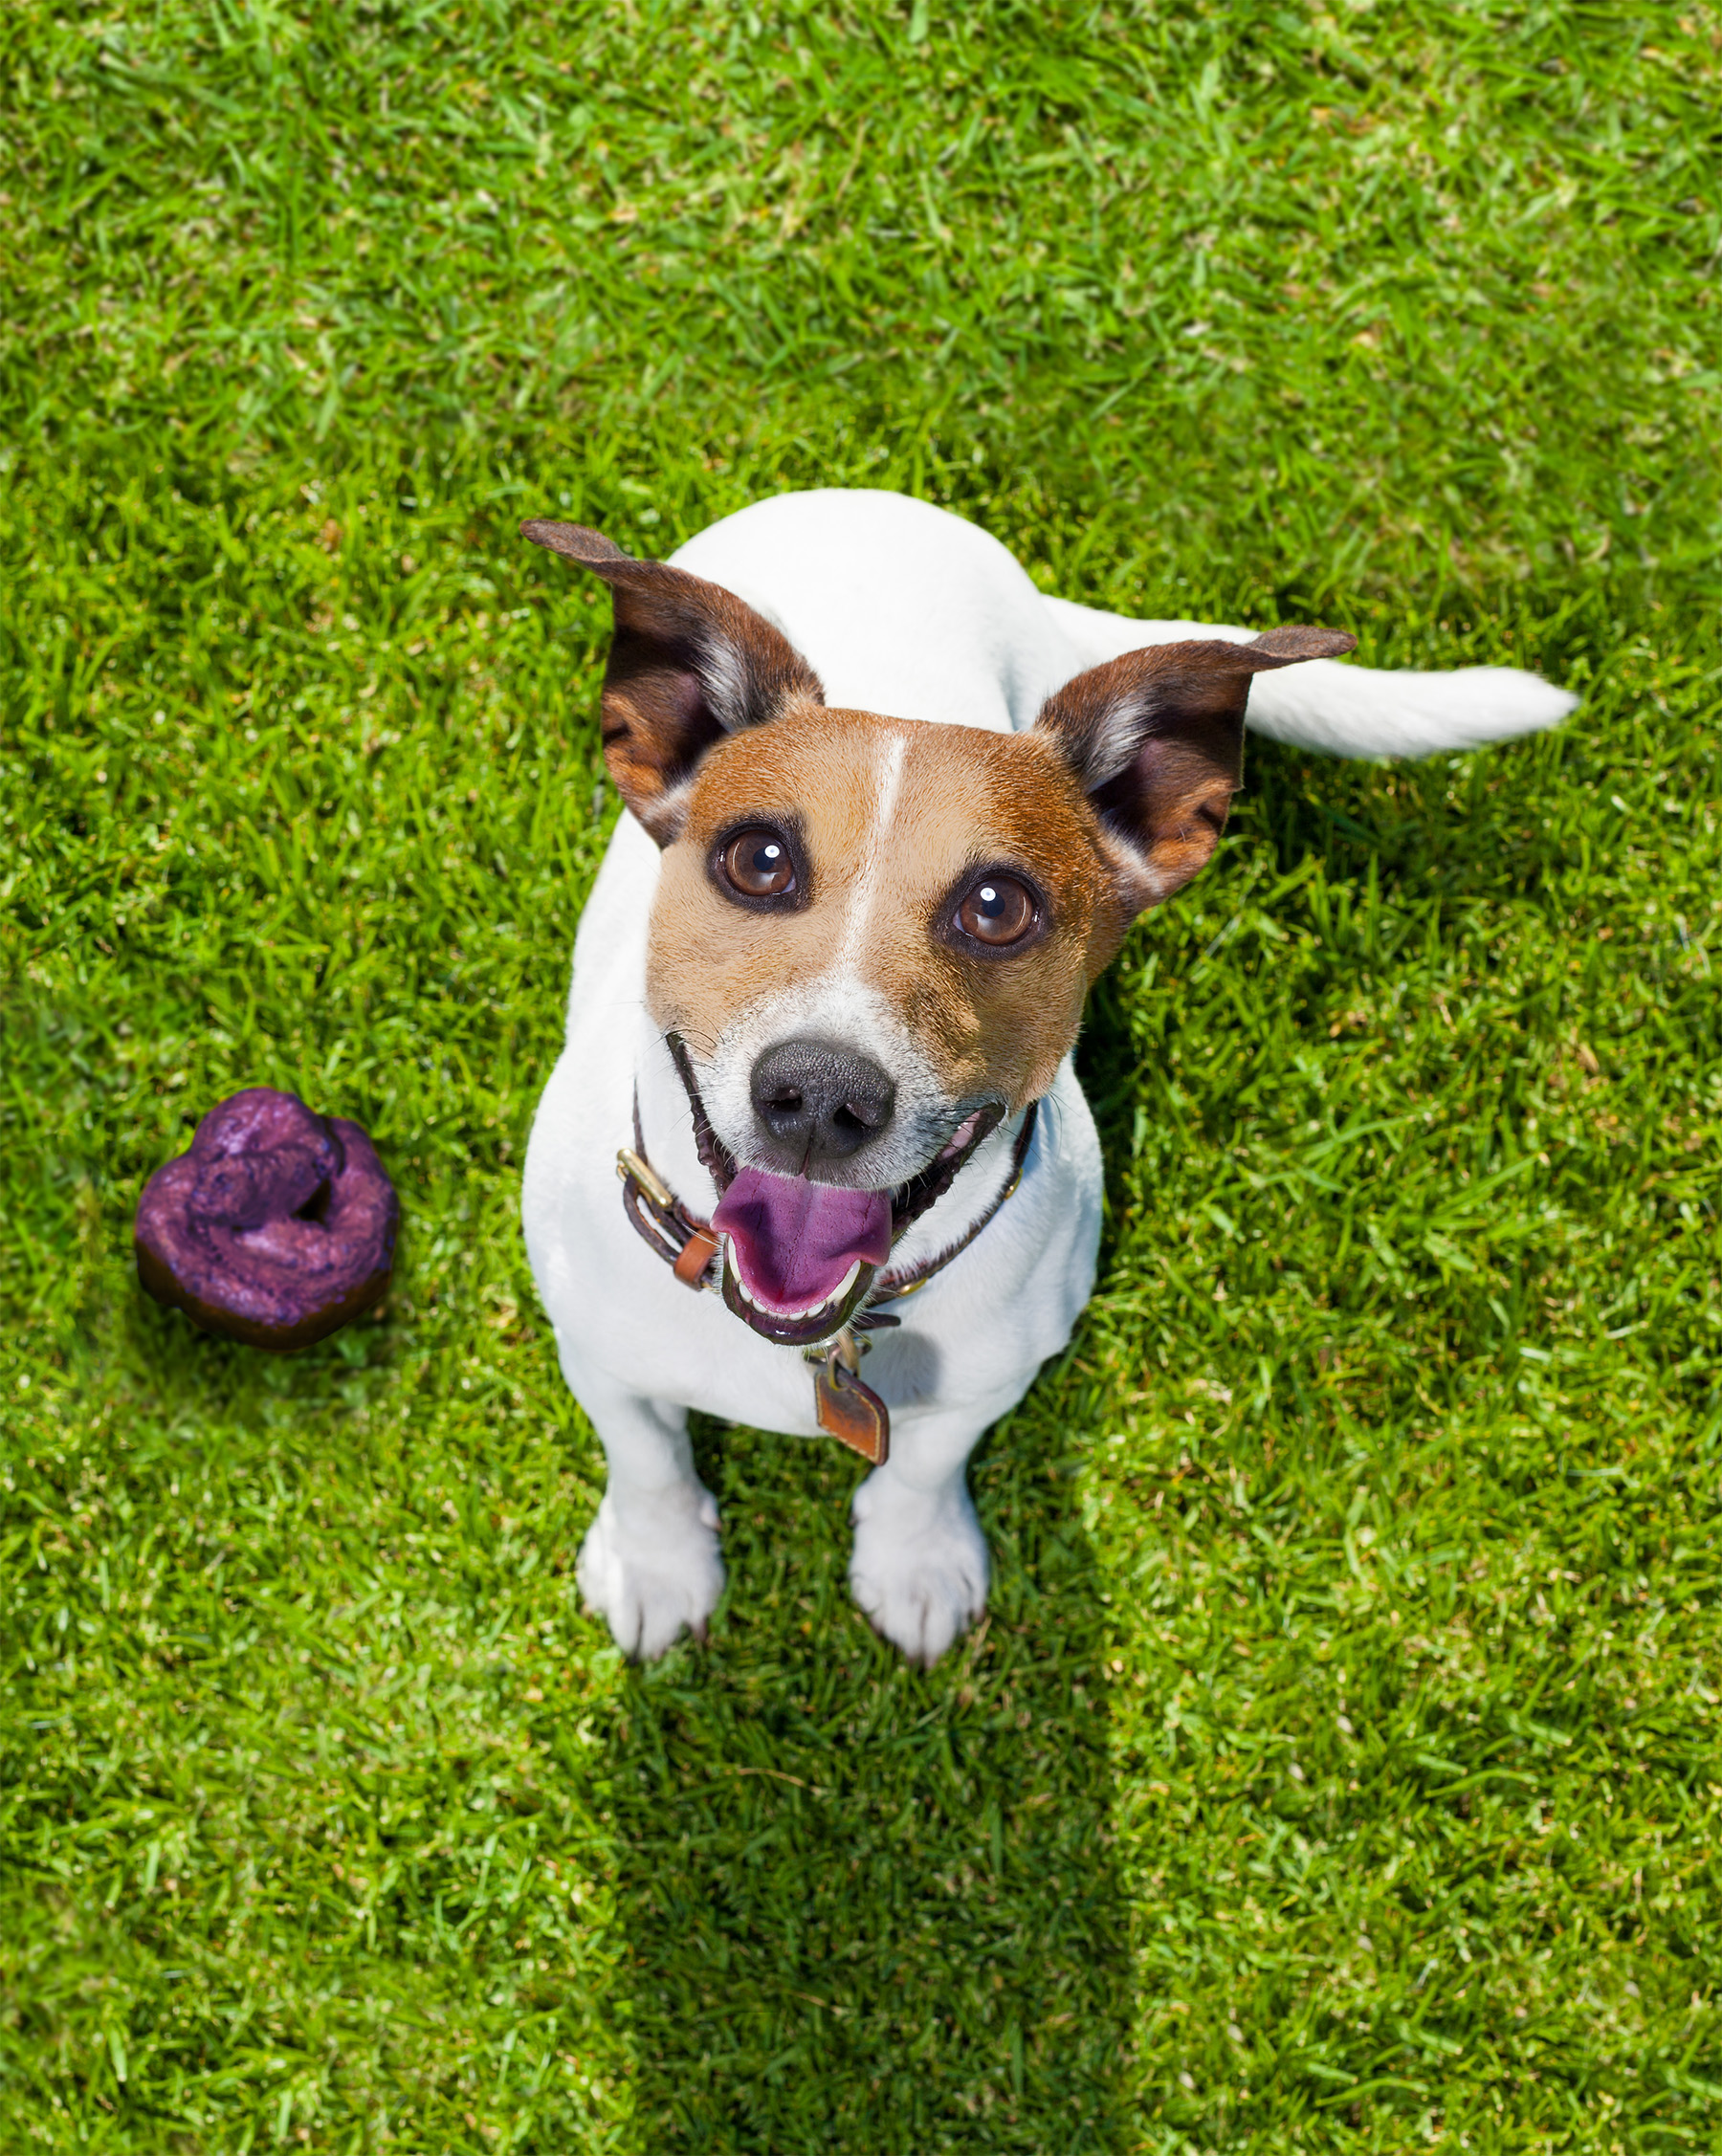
(890, 812)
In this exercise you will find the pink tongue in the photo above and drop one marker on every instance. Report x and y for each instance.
(793, 1241)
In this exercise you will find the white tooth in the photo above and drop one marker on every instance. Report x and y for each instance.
(811, 1309)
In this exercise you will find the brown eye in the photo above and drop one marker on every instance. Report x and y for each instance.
(999, 911)
(758, 863)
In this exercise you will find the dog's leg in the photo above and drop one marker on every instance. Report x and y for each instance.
(649, 1562)
(919, 1568)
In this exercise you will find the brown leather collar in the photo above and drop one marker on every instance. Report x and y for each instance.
(688, 1245)
(844, 1405)
(894, 1284)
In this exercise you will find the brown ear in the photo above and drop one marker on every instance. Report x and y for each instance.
(1157, 740)
(689, 663)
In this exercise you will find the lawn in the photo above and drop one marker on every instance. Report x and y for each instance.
(1337, 1767)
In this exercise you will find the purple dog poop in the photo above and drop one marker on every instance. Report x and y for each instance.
(276, 1228)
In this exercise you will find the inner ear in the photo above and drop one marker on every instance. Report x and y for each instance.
(689, 663)
(1156, 740)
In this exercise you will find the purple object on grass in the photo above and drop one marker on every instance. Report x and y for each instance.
(276, 1228)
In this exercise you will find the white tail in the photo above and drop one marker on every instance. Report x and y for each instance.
(1342, 710)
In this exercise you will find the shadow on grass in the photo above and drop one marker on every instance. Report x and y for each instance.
(869, 1906)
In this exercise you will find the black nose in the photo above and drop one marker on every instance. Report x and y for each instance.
(820, 1102)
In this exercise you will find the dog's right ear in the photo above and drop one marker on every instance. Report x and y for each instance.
(689, 663)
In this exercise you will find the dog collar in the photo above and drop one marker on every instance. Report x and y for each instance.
(846, 1407)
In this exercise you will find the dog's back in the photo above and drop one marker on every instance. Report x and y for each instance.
(902, 608)
(898, 606)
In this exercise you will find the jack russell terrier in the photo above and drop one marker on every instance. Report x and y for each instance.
(891, 811)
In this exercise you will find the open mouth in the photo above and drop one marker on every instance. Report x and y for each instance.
(801, 1258)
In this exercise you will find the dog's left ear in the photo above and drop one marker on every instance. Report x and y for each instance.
(689, 663)
(1156, 740)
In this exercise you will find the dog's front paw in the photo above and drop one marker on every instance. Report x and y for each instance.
(920, 1567)
(654, 1574)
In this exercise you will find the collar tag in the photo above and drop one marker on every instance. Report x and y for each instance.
(848, 1409)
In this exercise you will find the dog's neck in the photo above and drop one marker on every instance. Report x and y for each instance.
(667, 1126)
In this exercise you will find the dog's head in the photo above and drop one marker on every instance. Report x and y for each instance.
(873, 937)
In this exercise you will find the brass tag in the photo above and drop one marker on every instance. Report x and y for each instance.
(851, 1411)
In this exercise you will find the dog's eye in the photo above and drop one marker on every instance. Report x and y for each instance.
(997, 912)
(758, 863)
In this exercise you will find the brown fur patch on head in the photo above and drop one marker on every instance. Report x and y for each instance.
(1114, 799)
(879, 889)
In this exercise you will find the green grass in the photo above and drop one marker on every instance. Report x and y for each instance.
(1338, 1765)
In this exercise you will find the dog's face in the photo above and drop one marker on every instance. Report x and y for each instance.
(929, 900)
(873, 937)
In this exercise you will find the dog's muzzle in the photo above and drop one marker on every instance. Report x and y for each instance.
(816, 1103)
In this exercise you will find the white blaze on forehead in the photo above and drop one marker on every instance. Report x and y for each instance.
(869, 874)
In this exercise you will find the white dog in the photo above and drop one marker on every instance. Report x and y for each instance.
(892, 809)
